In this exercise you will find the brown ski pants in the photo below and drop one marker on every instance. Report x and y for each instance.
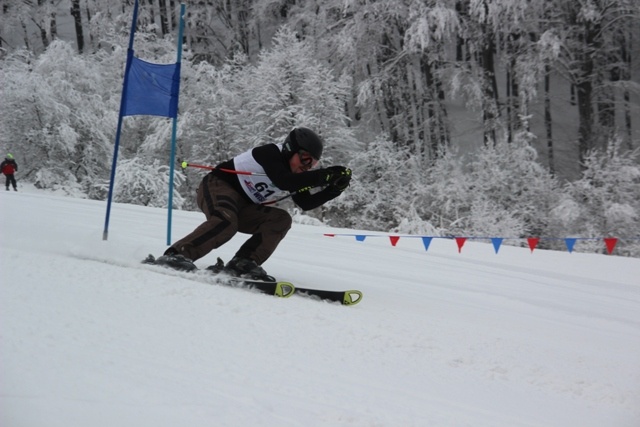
(229, 212)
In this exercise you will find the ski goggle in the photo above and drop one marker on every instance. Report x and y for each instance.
(307, 160)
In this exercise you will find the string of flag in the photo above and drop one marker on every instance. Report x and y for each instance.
(570, 242)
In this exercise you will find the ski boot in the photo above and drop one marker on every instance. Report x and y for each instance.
(247, 268)
(174, 261)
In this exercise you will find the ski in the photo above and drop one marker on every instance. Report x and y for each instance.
(278, 289)
(218, 275)
(350, 297)
(275, 288)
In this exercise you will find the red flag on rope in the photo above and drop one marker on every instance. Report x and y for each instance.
(611, 243)
(533, 242)
(460, 241)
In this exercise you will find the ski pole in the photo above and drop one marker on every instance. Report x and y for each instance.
(193, 165)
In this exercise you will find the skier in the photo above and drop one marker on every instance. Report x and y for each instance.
(8, 168)
(235, 202)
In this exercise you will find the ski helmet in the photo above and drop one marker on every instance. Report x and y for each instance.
(302, 139)
(10, 156)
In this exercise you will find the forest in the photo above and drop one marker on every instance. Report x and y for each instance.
(480, 118)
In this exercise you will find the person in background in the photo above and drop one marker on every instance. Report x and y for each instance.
(9, 167)
(234, 201)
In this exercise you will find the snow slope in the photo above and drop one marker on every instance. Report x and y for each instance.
(89, 337)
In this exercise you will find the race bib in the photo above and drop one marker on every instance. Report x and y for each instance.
(259, 188)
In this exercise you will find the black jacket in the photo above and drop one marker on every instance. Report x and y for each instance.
(276, 166)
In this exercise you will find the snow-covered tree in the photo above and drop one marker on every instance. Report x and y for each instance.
(502, 191)
(381, 191)
(289, 87)
(605, 202)
(145, 182)
(511, 187)
(443, 194)
(55, 118)
(596, 39)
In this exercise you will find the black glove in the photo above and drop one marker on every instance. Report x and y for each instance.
(338, 178)
(332, 173)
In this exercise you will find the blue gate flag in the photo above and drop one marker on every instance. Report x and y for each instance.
(148, 89)
(152, 89)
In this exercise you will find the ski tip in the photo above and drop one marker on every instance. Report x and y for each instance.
(284, 289)
(351, 297)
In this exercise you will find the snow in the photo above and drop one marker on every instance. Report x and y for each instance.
(88, 336)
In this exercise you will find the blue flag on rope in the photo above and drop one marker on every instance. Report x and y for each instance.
(152, 89)
(570, 242)
(497, 242)
(426, 241)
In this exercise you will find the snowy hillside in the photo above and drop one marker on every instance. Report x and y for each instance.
(89, 337)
